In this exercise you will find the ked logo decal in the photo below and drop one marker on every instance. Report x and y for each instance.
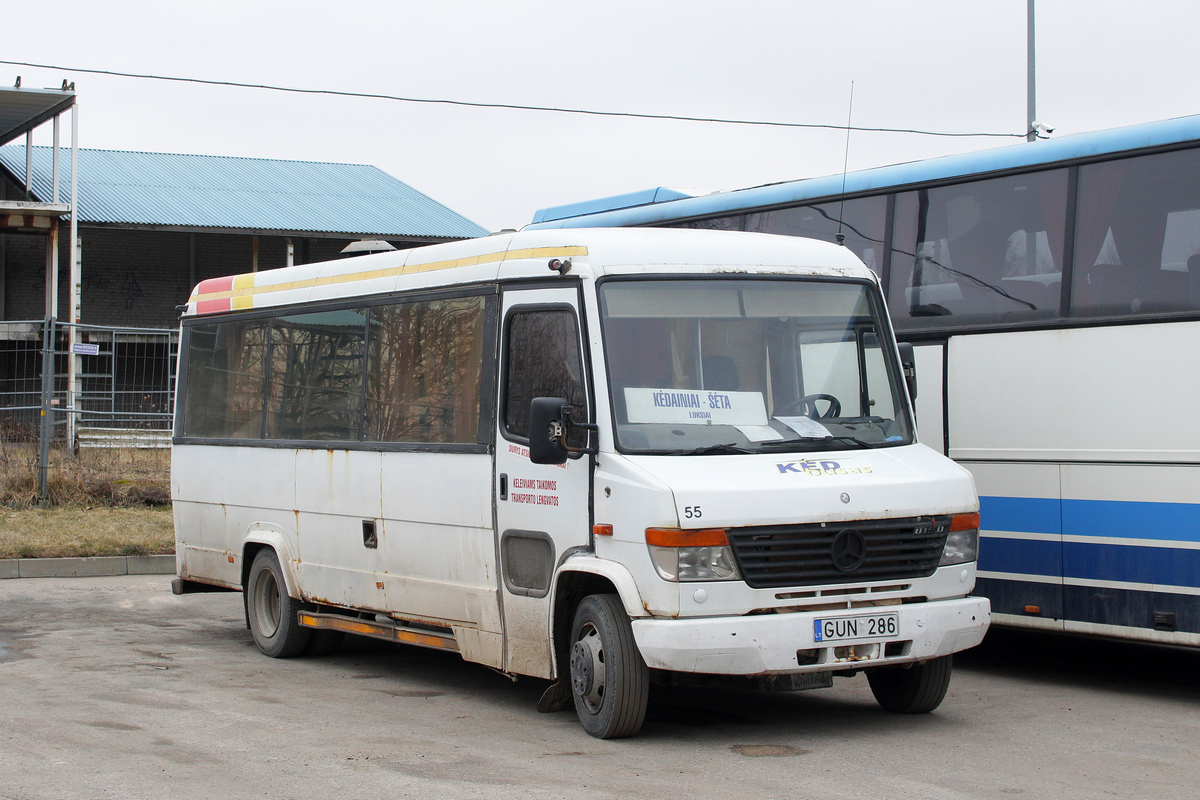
(820, 468)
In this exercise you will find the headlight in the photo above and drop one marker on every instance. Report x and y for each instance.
(680, 555)
(962, 543)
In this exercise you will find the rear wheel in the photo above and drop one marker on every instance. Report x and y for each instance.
(610, 683)
(918, 689)
(274, 616)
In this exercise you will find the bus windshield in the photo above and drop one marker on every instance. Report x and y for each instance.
(726, 366)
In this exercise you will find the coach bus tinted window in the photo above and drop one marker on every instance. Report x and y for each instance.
(425, 369)
(861, 222)
(728, 366)
(225, 380)
(1137, 237)
(978, 253)
(543, 360)
(315, 375)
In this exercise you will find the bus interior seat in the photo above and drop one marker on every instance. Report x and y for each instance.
(721, 373)
(1118, 289)
(1193, 273)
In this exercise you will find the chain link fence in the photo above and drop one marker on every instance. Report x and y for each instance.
(85, 413)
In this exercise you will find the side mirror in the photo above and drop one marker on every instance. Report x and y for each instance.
(547, 430)
(908, 362)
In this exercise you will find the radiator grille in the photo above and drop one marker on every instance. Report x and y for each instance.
(773, 556)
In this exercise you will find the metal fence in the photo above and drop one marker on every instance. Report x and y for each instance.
(67, 387)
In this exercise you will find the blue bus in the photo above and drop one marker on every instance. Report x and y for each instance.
(1051, 292)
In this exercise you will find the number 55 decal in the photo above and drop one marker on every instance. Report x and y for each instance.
(692, 512)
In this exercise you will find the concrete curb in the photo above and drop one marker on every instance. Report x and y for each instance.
(86, 567)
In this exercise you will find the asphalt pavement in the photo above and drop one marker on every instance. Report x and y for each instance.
(112, 687)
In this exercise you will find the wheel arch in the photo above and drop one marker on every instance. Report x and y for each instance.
(262, 536)
(576, 579)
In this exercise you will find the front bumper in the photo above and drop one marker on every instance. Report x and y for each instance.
(768, 644)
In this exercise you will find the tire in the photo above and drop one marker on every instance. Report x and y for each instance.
(610, 683)
(273, 614)
(918, 689)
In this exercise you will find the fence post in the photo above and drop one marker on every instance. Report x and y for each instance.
(47, 426)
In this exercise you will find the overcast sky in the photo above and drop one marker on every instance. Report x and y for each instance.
(943, 65)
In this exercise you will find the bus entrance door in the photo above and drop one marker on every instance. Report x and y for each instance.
(541, 509)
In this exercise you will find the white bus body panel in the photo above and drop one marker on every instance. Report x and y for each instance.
(1088, 489)
(1097, 394)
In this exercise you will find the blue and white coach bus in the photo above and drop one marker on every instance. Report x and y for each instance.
(1052, 292)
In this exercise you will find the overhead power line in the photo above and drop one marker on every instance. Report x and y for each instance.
(510, 106)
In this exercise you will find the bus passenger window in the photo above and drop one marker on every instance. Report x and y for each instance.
(983, 252)
(542, 359)
(314, 389)
(225, 378)
(1136, 237)
(424, 371)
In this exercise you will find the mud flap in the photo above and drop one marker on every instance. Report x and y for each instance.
(557, 697)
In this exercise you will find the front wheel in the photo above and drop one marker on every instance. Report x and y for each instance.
(918, 689)
(274, 616)
(609, 680)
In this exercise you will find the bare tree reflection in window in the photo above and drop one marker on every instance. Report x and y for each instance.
(425, 369)
(315, 376)
(543, 361)
(225, 376)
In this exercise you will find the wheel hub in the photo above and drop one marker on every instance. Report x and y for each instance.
(587, 670)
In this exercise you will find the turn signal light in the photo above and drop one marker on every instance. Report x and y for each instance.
(674, 537)
(964, 522)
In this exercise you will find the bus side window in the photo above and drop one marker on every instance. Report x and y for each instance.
(424, 371)
(225, 376)
(542, 359)
(315, 370)
(1135, 236)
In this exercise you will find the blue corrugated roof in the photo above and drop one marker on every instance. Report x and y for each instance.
(1016, 157)
(240, 193)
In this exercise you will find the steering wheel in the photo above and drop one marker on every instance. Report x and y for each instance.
(807, 406)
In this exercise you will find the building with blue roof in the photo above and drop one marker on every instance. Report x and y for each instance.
(152, 225)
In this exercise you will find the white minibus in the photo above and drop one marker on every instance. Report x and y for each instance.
(606, 458)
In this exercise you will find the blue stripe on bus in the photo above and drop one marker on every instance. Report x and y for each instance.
(1110, 518)
(1020, 514)
(1127, 520)
(1164, 566)
(1024, 556)
(1099, 561)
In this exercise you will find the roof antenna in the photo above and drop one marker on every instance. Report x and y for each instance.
(841, 237)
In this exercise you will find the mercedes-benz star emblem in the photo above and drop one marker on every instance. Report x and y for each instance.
(849, 550)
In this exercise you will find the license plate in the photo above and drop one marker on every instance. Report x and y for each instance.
(868, 626)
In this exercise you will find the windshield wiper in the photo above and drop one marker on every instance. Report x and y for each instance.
(714, 449)
(773, 443)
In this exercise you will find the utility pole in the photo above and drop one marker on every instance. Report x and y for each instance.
(1031, 82)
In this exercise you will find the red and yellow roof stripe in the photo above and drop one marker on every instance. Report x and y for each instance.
(237, 292)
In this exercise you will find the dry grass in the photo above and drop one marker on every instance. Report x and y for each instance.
(123, 477)
(112, 502)
(34, 533)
